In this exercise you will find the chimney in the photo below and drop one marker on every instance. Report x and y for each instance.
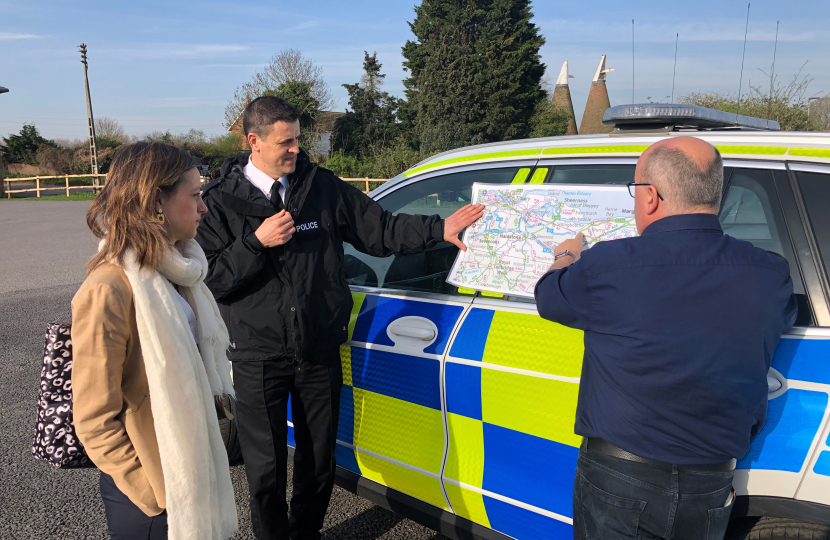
(562, 98)
(597, 103)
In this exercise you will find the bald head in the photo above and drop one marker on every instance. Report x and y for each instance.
(687, 172)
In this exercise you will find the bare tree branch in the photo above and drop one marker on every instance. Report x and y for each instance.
(788, 104)
(109, 127)
(286, 66)
(819, 110)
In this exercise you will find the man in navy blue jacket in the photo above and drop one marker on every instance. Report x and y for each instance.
(680, 327)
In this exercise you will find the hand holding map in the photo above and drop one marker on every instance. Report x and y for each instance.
(514, 244)
(461, 218)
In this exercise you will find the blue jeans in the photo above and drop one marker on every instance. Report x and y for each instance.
(617, 499)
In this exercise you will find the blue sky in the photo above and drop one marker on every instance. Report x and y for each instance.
(174, 65)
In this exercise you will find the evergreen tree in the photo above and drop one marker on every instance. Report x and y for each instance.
(475, 72)
(371, 124)
(301, 96)
(548, 120)
(22, 148)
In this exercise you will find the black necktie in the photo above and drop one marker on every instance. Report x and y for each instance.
(276, 200)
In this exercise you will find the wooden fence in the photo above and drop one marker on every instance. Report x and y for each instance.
(365, 181)
(96, 185)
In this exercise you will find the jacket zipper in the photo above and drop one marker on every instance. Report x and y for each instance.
(295, 319)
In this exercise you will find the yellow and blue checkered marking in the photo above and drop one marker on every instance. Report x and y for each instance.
(783, 444)
(517, 522)
(407, 378)
(383, 417)
(521, 341)
(822, 465)
(377, 312)
(511, 433)
(803, 359)
(391, 426)
(795, 417)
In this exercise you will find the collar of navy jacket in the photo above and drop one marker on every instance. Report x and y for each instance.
(685, 222)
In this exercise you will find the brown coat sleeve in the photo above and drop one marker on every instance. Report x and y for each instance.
(101, 329)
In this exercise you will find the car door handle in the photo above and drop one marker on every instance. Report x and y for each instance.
(425, 334)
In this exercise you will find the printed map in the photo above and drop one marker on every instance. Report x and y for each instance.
(512, 246)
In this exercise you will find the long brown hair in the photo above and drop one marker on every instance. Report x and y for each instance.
(124, 215)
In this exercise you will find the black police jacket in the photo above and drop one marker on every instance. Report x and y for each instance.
(292, 301)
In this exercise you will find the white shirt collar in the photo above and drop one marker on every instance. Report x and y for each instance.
(262, 181)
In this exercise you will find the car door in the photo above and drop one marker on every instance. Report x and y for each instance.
(392, 428)
(511, 402)
(804, 354)
(759, 206)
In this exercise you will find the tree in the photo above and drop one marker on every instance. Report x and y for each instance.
(819, 109)
(475, 72)
(787, 104)
(288, 66)
(23, 147)
(301, 96)
(371, 124)
(219, 148)
(110, 128)
(53, 158)
(548, 120)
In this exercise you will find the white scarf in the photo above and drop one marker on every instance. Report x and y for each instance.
(183, 379)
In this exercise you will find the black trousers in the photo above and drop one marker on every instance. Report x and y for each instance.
(262, 393)
(617, 499)
(125, 520)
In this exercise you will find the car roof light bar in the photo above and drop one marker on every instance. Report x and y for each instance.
(662, 115)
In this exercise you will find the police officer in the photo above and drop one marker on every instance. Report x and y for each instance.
(273, 236)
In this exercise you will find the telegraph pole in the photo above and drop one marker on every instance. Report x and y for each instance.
(93, 149)
(3, 90)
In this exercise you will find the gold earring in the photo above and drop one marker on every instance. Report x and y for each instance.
(160, 216)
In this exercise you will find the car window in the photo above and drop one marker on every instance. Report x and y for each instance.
(815, 191)
(591, 174)
(751, 211)
(426, 271)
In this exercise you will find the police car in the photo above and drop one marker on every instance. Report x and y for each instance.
(458, 406)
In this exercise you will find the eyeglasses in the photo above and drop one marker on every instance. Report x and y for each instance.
(632, 185)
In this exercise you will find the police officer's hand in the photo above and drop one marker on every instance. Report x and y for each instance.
(463, 217)
(276, 230)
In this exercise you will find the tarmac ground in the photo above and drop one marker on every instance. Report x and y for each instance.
(43, 249)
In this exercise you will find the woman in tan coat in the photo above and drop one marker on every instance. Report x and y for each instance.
(149, 355)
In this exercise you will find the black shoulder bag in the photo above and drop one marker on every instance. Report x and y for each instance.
(55, 441)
